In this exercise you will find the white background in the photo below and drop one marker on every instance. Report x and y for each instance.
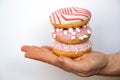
(27, 22)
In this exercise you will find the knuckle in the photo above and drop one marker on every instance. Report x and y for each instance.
(88, 68)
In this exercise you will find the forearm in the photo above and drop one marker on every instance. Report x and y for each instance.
(113, 66)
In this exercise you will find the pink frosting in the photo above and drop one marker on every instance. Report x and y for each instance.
(70, 34)
(69, 14)
(72, 48)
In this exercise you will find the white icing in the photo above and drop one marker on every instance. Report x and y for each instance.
(84, 26)
(81, 37)
(73, 37)
(70, 30)
(61, 29)
(88, 31)
(54, 35)
(78, 29)
(73, 33)
(57, 29)
(68, 15)
(65, 32)
(71, 21)
(85, 36)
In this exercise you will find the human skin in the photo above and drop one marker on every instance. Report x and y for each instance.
(93, 63)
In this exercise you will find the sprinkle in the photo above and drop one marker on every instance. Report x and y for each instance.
(73, 37)
(54, 35)
(78, 29)
(61, 29)
(81, 38)
(85, 36)
(65, 32)
(84, 26)
(57, 29)
(88, 31)
(73, 33)
(70, 30)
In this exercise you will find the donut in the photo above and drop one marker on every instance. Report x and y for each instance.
(70, 17)
(71, 31)
(72, 51)
(72, 35)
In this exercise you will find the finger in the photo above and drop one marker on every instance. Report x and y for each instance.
(38, 56)
(32, 51)
(32, 56)
(41, 54)
(44, 47)
(26, 48)
(47, 47)
(36, 46)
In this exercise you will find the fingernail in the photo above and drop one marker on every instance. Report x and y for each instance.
(24, 48)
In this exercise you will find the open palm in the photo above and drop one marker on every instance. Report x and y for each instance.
(88, 64)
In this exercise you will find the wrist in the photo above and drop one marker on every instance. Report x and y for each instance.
(112, 68)
(107, 69)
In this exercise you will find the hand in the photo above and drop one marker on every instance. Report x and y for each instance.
(87, 65)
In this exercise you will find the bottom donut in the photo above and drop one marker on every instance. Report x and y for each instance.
(70, 54)
(72, 51)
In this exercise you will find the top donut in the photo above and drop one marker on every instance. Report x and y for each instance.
(70, 17)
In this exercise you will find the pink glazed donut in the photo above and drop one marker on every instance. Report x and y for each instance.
(70, 50)
(72, 35)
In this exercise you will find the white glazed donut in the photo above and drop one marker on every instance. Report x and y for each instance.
(70, 17)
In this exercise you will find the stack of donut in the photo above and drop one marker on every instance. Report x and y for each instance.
(71, 31)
